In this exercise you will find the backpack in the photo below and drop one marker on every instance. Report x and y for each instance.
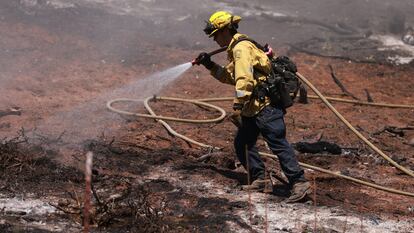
(282, 84)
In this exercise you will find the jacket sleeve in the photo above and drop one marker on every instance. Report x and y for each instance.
(243, 72)
(223, 73)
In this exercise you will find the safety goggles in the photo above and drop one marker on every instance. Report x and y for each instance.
(210, 28)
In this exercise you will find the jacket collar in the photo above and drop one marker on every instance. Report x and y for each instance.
(236, 37)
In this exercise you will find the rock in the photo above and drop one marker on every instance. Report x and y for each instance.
(408, 36)
(256, 220)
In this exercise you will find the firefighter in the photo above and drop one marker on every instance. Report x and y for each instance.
(248, 65)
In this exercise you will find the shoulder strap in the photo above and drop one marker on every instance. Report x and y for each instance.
(259, 46)
(243, 38)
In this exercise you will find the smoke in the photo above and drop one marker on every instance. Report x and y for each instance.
(92, 118)
(135, 32)
(397, 21)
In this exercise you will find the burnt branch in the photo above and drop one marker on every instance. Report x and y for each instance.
(369, 98)
(397, 131)
(11, 111)
(300, 49)
(14, 153)
(340, 85)
(47, 140)
(318, 147)
(134, 206)
(64, 210)
(303, 95)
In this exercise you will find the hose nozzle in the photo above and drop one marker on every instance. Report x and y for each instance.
(195, 62)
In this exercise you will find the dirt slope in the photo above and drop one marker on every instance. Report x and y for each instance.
(62, 60)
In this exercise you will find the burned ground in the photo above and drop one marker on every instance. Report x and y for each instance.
(54, 59)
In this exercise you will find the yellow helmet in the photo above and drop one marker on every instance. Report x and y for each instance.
(219, 20)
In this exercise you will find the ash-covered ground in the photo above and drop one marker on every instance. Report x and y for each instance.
(60, 61)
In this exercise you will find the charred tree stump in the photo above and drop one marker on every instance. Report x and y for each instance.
(303, 95)
(318, 147)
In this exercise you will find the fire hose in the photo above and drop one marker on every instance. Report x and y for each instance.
(160, 119)
(202, 102)
(359, 102)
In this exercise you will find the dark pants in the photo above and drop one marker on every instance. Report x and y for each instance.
(269, 122)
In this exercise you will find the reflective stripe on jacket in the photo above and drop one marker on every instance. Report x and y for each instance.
(245, 60)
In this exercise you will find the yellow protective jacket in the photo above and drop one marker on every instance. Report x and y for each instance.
(247, 65)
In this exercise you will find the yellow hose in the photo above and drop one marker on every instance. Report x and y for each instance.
(356, 132)
(364, 102)
(372, 185)
(328, 98)
(218, 119)
(223, 114)
(173, 132)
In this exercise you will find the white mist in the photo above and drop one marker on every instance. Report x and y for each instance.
(91, 119)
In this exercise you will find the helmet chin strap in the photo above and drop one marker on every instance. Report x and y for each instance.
(231, 22)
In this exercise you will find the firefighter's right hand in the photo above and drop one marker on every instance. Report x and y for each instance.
(205, 60)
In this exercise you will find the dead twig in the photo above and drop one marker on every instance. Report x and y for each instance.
(277, 177)
(98, 200)
(76, 212)
(148, 216)
(14, 153)
(314, 205)
(76, 197)
(204, 157)
(369, 98)
(398, 131)
(340, 85)
(87, 198)
(11, 111)
(47, 140)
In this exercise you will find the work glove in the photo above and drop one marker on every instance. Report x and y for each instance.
(205, 60)
(237, 106)
(235, 118)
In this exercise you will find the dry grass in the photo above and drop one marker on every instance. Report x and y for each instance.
(15, 154)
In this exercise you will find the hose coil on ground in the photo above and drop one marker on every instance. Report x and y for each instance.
(202, 102)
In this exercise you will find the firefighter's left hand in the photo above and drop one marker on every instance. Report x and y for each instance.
(236, 119)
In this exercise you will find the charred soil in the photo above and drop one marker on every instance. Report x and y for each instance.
(146, 180)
